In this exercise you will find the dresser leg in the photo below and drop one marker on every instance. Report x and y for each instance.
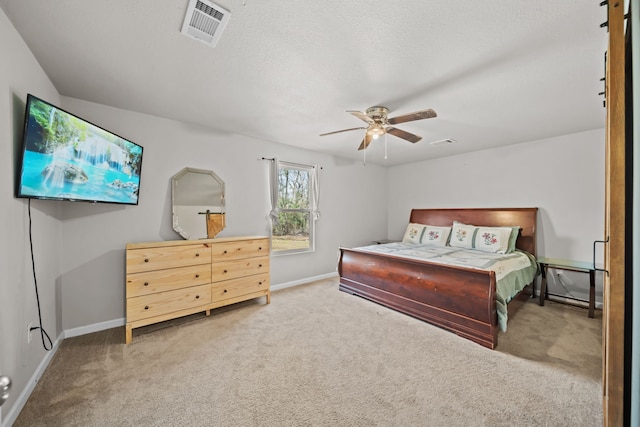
(128, 334)
(268, 297)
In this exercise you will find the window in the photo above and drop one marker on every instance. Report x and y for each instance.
(294, 202)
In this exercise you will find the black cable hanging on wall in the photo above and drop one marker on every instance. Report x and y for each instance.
(43, 333)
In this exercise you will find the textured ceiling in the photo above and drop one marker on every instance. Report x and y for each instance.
(497, 72)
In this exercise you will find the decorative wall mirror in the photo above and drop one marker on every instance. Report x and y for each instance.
(197, 198)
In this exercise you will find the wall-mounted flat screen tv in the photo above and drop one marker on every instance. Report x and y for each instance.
(65, 157)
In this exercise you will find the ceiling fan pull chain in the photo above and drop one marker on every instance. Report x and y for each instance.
(379, 124)
(364, 152)
(385, 146)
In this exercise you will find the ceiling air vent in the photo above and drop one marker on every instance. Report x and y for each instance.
(443, 142)
(205, 21)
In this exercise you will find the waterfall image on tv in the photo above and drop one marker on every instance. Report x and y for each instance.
(67, 158)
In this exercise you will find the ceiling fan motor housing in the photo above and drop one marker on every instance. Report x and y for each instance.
(379, 124)
(378, 113)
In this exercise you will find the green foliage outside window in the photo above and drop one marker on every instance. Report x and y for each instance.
(292, 230)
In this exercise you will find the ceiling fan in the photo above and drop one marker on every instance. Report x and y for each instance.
(380, 124)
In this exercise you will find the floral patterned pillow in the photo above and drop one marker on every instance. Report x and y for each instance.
(487, 239)
(436, 236)
(493, 239)
(413, 233)
(426, 234)
(462, 235)
(515, 231)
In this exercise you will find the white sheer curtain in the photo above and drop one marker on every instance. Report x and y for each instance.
(274, 171)
(315, 193)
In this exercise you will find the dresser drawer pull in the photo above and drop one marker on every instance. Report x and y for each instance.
(146, 283)
(146, 260)
(225, 291)
(197, 254)
(260, 248)
(197, 296)
(259, 283)
(259, 265)
(146, 307)
(225, 271)
(197, 276)
(224, 252)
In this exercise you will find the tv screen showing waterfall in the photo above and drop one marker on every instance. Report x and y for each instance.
(65, 157)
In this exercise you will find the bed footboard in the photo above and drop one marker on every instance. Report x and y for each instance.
(457, 299)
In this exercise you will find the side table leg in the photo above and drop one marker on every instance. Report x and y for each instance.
(543, 284)
(592, 292)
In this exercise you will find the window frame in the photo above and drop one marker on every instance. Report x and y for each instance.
(308, 211)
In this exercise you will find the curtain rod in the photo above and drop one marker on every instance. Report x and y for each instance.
(272, 159)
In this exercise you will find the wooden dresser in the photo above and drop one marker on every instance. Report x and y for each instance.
(170, 279)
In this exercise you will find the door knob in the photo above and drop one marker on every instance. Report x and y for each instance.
(5, 386)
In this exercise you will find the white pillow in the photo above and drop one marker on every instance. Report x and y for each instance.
(426, 234)
(462, 235)
(413, 233)
(493, 239)
(436, 236)
(487, 239)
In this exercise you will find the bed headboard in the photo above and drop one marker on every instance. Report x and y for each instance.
(488, 217)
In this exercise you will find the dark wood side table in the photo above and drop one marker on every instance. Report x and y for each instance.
(569, 265)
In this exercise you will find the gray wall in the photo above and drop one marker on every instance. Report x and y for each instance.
(563, 177)
(19, 74)
(79, 247)
(92, 285)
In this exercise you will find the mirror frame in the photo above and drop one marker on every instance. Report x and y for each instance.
(174, 189)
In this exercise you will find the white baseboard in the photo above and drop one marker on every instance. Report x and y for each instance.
(303, 281)
(116, 323)
(31, 384)
(573, 301)
(96, 327)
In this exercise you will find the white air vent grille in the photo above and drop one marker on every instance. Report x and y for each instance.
(205, 21)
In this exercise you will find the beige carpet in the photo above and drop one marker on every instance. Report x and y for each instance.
(320, 357)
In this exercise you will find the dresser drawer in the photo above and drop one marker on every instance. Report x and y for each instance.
(237, 287)
(156, 258)
(165, 280)
(239, 249)
(162, 303)
(238, 268)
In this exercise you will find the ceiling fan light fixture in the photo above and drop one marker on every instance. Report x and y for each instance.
(376, 130)
(379, 124)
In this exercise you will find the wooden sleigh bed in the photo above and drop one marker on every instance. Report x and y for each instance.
(459, 299)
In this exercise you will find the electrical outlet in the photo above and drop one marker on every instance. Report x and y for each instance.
(29, 334)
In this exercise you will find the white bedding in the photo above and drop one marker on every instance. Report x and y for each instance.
(513, 271)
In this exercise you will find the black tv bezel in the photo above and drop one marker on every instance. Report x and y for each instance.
(23, 147)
